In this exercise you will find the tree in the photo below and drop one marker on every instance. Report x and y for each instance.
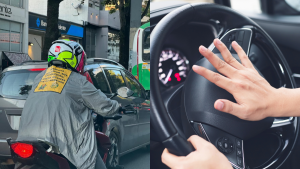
(124, 8)
(146, 10)
(52, 32)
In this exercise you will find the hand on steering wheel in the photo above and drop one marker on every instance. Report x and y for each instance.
(205, 155)
(256, 98)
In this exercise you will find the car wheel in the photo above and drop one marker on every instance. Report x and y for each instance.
(113, 153)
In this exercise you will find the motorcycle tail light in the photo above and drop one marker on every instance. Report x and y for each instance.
(22, 149)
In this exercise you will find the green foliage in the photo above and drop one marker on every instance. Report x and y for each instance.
(127, 4)
(112, 10)
(148, 12)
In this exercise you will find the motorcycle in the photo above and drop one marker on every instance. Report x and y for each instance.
(45, 155)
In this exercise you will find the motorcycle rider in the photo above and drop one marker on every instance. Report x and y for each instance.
(57, 108)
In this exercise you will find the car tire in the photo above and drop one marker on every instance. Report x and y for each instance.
(113, 157)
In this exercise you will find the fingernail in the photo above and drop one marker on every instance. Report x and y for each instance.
(203, 49)
(218, 42)
(196, 67)
(220, 105)
(234, 43)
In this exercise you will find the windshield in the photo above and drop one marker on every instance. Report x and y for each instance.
(17, 84)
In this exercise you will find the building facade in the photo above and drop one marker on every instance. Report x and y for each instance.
(105, 28)
(72, 16)
(13, 26)
(84, 21)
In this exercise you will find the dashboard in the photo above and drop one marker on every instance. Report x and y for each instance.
(180, 52)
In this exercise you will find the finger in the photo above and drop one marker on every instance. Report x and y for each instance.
(229, 107)
(218, 63)
(242, 55)
(214, 77)
(227, 55)
(169, 159)
(197, 141)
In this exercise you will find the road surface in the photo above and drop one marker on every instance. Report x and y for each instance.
(139, 159)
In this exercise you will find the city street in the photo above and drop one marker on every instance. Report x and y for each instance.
(139, 159)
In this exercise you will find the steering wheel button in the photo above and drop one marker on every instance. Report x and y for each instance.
(225, 145)
(238, 143)
(239, 161)
(239, 152)
(231, 38)
(241, 35)
(220, 143)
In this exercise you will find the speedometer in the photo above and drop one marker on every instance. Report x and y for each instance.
(173, 67)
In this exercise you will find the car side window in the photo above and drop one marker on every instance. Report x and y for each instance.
(115, 79)
(99, 80)
(134, 86)
(146, 45)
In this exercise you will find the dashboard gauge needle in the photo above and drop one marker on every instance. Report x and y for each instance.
(169, 74)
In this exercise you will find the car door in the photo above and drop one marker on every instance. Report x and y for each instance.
(143, 106)
(129, 122)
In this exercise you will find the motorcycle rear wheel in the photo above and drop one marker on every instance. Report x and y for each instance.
(113, 154)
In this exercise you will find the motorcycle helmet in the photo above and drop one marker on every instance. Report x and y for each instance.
(67, 53)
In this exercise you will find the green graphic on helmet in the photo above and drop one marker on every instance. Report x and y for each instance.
(51, 58)
(67, 57)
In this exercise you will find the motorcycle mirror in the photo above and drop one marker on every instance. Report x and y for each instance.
(117, 117)
(124, 92)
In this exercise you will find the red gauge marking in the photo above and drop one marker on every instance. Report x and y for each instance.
(177, 77)
(169, 79)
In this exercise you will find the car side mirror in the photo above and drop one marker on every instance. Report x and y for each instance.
(124, 92)
(147, 92)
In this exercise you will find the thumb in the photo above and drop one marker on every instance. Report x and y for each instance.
(228, 107)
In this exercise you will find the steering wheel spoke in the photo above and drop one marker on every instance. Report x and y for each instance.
(282, 121)
(229, 145)
(242, 36)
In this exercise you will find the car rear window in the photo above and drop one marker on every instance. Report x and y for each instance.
(17, 84)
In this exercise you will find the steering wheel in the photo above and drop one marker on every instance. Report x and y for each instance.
(225, 131)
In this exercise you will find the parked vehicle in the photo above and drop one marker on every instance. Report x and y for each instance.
(129, 133)
(139, 60)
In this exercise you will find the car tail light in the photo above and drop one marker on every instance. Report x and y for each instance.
(37, 69)
(22, 149)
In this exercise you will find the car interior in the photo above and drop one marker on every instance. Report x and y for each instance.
(181, 101)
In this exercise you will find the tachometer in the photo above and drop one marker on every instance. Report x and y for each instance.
(173, 67)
